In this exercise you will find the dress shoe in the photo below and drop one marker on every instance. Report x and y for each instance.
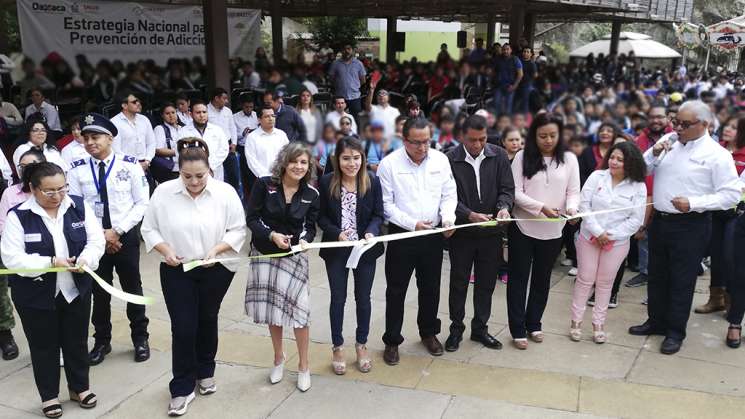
(8, 347)
(645, 329)
(487, 340)
(390, 355)
(142, 352)
(670, 346)
(453, 343)
(434, 347)
(98, 353)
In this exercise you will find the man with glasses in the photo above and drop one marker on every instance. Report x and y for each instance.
(419, 193)
(115, 186)
(136, 137)
(334, 117)
(263, 144)
(693, 176)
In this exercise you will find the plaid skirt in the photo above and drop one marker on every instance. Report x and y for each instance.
(278, 291)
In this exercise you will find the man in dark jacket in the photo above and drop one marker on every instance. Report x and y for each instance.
(486, 191)
(288, 120)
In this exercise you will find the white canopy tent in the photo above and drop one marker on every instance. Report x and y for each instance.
(642, 45)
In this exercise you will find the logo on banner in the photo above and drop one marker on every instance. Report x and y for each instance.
(75, 8)
(44, 7)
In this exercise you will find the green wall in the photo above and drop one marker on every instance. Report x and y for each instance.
(423, 45)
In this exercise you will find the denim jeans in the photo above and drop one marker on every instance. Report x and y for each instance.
(363, 280)
(643, 250)
(503, 100)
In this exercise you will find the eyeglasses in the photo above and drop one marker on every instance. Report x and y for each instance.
(424, 143)
(684, 124)
(38, 130)
(52, 193)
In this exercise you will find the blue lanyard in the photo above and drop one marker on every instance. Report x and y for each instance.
(106, 176)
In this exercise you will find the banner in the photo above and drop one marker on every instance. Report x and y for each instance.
(127, 31)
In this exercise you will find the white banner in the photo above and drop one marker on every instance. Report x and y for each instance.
(128, 31)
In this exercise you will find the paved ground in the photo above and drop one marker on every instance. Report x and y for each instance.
(627, 377)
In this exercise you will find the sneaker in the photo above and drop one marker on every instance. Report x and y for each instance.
(645, 302)
(613, 303)
(637, 281)
(207, 386)
(504, 278)
(591, 300)
(179, 405)
(572, 272)
(567, 262)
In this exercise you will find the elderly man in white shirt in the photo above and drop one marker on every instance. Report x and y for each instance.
(334, 117)
(40, 105)
(419, 193)
(217, 140)
(263, 144)
(135, 136)
(692, 176)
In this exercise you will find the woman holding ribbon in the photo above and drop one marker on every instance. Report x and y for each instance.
(194, 217)
(603, 241)
(351, 209)
(546, 186)
(53, 230)
(282, 213)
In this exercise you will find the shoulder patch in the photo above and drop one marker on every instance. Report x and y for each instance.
(129, 159)
(77, 163)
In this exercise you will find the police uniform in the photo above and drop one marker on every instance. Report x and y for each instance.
(54, 307)
(117, 190)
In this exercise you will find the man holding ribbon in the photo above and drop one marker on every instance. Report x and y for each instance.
(486, 190)
(419, 194)
(115, 186)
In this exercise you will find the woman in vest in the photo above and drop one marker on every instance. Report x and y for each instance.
(164, 166)
(53, 230)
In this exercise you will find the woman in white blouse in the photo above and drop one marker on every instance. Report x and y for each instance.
(38, 132)
(194, 217)
(310, 115)
(603, 241)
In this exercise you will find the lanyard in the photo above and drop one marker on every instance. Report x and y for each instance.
(105, 176)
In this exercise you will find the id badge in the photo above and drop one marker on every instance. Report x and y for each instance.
(98, 209)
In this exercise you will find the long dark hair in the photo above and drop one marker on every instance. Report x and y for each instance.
(49, 141)
(634, 167)
(363, 181)
(532, 157)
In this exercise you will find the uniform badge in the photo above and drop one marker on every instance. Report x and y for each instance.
(89, 119)
(123, 175)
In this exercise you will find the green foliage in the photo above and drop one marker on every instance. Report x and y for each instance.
(335, 31)
(595, 31)
(558, 52)
(9, 25)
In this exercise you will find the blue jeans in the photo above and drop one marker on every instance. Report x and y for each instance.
(722, 248)
(363, 280)
(503, 100)
(523, 99)
(643, 250)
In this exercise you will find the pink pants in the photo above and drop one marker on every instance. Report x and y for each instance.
(595, 267)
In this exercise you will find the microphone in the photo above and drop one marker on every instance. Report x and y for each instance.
(671, 139)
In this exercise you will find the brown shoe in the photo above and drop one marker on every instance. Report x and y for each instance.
(434, 347)
(390, 355)
(716, 301)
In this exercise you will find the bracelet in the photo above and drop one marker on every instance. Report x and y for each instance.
(54, 258)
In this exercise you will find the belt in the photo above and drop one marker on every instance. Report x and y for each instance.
(670, 216)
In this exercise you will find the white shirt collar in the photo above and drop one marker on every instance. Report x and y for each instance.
(181, 189)
(106, 160)
(472, 159)
(32, 205)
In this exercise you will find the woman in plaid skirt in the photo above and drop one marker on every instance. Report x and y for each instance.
(282, 212)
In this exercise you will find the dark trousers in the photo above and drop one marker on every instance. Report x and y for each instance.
(354, 107)
(363, 280)
(567, 239)
(483, 255)
(232, 173)
(402, 258)
(127, 264)
(530, 259)
(677, 244)
(619, 277)
(722, 248)
(247, 177)
(736, 287)
(193, 301)
(47, 331)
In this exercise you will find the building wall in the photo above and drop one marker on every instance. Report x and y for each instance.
(423, 38)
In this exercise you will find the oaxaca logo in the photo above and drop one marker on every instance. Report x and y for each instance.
(44, 7)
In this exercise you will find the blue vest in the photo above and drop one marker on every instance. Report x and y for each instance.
(36, 293)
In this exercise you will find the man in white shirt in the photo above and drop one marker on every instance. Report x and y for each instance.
(246, 122)
(383, 111)
(263, 144)
(40, 105)
(215, 137)
(333, 117)
(693, 175)
(135, 136)
(221, 115)
(419, 193)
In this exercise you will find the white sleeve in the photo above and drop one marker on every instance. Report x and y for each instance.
(140, 198)
(392, 213)
(149, 142)
(590, 223)
(727, 187)
(5, 168)
(150, 224)
(13, 249)
(449, 198)
(254, 164)
(160, 137)
(95, 244)
(631, 224)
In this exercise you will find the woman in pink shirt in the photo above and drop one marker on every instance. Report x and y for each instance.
(546, 185)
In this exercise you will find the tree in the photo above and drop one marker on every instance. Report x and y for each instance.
(335, 32)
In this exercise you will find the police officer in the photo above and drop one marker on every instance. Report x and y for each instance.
(116, 187)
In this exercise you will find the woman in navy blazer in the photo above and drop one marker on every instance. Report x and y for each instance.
(351, 209)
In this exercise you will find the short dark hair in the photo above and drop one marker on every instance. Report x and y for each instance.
(272, 93)
(123, 96)
(198, 102)
(40, 157)
(265, 108)
(634, 167)
(218, 91)
(416, 123)
(474, 122)
(33, 173)
(246, 98)
(339, 97)
(532, 158)
(166, 105)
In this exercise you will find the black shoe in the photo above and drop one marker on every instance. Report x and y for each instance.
(637, 281)
(390, 355)
(487, 340)
(734, 343)
(98, 353)
(8, 347)
(613, 303)
(453, 343)
(591, 300)
(142, 352)
(670, 346)
(645, 329)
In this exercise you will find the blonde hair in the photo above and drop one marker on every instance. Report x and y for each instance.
(289, 153)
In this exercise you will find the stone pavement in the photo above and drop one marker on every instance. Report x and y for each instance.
(626, 377)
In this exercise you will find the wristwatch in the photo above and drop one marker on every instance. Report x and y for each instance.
(118, 231)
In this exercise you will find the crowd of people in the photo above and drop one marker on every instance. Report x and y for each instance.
(636, 169)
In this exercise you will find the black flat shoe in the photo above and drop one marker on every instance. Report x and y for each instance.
(645, 329)
(670, 346)
(487, 340)
(453, 343)
(98, 353)
(9, 348)
(142, 352)
(88, 402)
(734, 343)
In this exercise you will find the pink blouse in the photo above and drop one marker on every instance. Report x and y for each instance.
(12, 196)
(555, 187)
